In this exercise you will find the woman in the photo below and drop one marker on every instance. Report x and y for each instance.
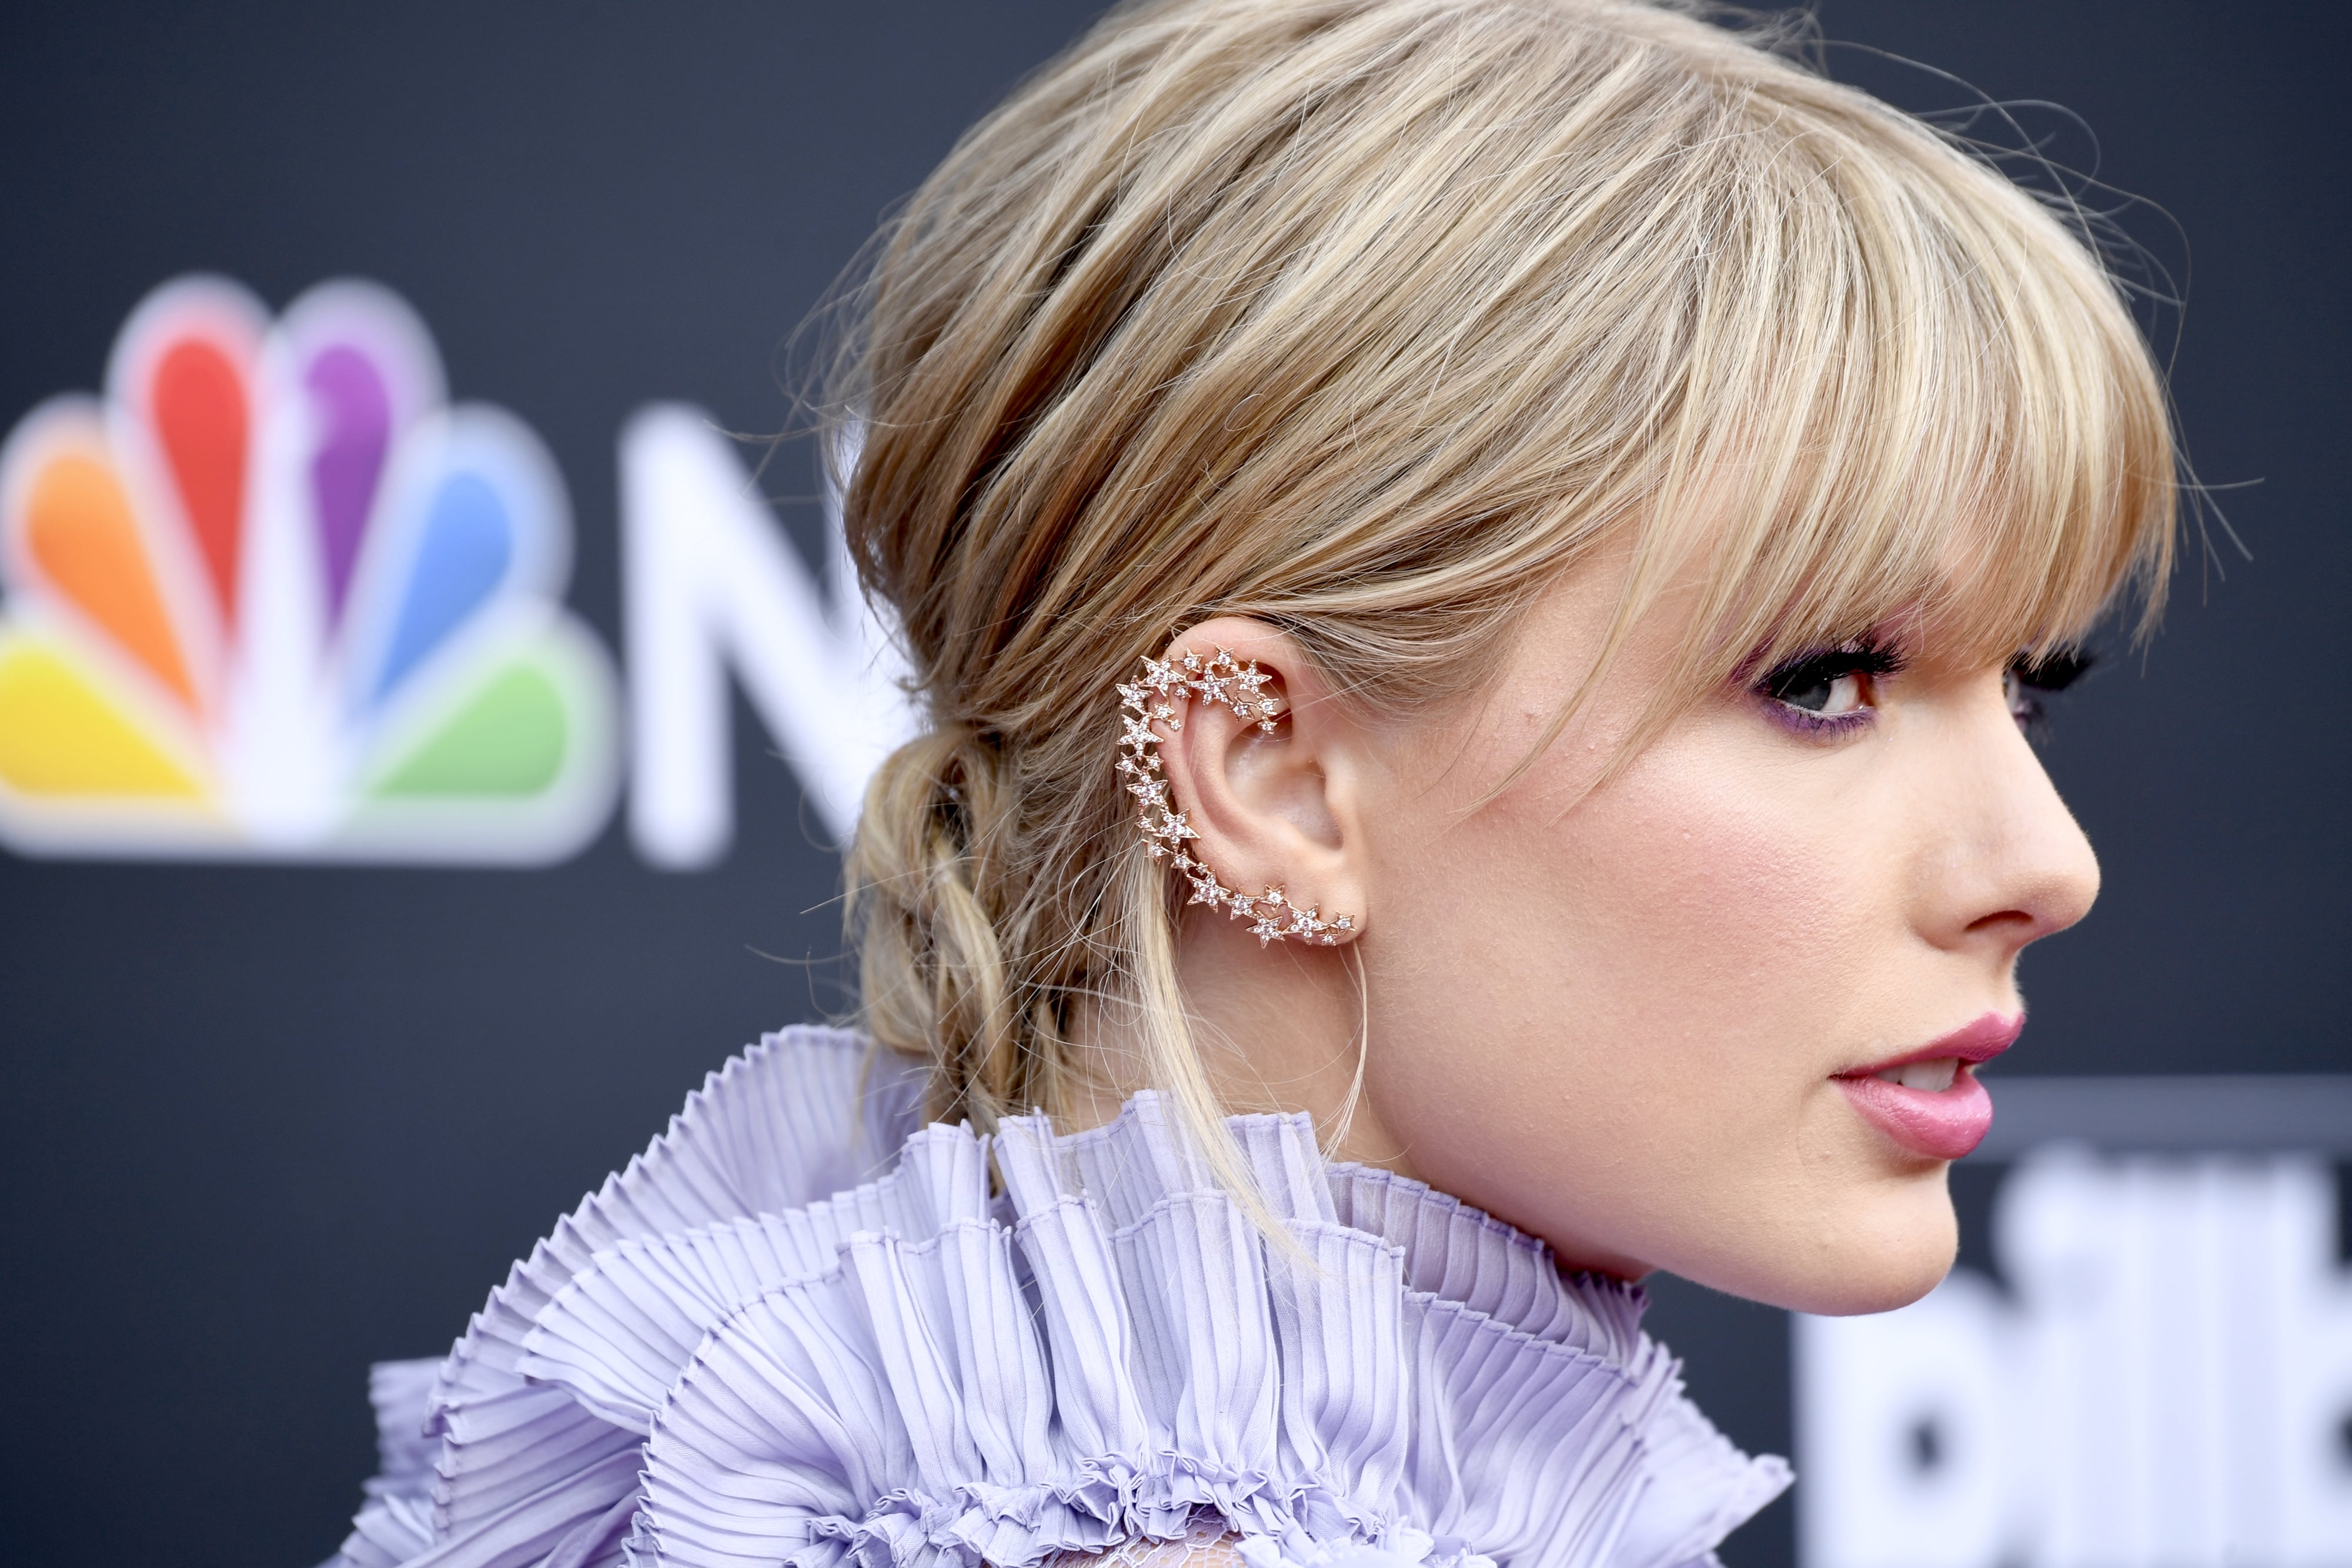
(1477, 568)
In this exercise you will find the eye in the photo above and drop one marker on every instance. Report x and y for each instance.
(1830, 688)
(2028, 680)
(1826, 692)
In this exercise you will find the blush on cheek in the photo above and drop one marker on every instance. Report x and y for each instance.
(1740, 913)
(1664, 973)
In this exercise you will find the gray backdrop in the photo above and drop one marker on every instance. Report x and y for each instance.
(259, 1127)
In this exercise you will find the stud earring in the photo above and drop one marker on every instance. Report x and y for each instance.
(1161, 697)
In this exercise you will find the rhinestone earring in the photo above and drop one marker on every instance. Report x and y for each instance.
(1159, 697)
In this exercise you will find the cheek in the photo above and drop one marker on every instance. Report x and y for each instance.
(1704, 918)
(1708, 910)
(1646, 995)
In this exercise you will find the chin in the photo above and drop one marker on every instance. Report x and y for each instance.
(1881, 1251)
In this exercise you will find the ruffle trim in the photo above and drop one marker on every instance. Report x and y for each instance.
(731, 1355)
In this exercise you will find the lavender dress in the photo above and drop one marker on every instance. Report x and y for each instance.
(733, 1353)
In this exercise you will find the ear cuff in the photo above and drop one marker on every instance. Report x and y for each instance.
(1161, 697)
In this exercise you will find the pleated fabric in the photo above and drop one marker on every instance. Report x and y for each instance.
(763, 1344)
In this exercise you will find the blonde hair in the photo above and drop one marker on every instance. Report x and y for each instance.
(1370, 319)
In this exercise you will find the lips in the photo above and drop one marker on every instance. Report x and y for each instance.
(1928, 1100)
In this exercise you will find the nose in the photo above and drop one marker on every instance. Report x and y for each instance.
(2013, 865)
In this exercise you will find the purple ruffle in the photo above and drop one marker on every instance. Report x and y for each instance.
(731, 1354)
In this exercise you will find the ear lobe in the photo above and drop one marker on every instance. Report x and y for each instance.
(1247, 780)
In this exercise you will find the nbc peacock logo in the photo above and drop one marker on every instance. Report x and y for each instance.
(272, 597)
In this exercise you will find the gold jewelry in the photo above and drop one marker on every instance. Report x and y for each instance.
(1159, 698)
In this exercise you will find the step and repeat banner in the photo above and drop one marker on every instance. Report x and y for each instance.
(428, 712)
(2146, 1359)
(272, 596)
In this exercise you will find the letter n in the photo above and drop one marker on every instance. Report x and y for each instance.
(710, 585)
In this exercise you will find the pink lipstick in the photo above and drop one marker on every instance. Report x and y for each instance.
(1928, 1100)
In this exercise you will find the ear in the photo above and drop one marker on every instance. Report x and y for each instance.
(1273, 799)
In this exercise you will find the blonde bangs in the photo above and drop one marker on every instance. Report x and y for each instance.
(1919, 399)
(1372, 318)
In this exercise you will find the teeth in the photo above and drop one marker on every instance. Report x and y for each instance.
(1932, 1076)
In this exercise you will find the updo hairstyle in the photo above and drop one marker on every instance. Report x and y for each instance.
(1370, 319)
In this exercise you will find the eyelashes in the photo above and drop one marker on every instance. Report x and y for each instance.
(2028, 683)
(1828, 691)
(1834, 691)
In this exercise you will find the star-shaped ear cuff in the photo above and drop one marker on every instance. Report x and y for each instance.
(1159, 698)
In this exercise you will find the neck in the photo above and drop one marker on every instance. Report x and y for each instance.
(1277, 1027)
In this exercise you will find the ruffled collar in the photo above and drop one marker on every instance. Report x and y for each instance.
(800, 1329)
